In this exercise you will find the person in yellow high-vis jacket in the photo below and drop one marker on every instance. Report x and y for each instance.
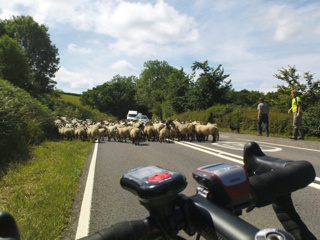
(297, 116)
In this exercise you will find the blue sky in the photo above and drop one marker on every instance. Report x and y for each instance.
(252, 39)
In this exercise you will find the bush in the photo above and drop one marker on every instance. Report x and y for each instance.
(311, 120)
(246, 117)
(24, 121)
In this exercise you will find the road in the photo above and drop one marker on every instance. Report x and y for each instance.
(109, 203)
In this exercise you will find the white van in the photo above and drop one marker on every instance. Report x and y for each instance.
(132, 115)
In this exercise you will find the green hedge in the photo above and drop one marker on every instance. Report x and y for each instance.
(245, 117)
(24, 121)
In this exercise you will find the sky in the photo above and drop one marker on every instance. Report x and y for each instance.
(251, 39)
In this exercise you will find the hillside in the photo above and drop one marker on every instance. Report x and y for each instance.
(71, 97)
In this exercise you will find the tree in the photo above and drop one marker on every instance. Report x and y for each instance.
(42, 55)
(310, 91)
(210, 87)
(115, 97)
(244, 97)
(152, 85)
(178, 86)
(13, 62)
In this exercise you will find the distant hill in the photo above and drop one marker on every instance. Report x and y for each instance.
(71, 97)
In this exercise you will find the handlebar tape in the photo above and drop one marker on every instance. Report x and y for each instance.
(136, 229)
(267, 187)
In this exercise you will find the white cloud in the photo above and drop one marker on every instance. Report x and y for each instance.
(122, 65)
(251, 39)
(74, 82)
(289, 23)
(74, 48)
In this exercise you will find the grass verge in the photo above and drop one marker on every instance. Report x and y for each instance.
(39, 193)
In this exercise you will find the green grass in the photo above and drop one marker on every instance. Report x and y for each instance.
(40, 192)
(74, 99)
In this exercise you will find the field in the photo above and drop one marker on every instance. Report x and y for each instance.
(72, 98)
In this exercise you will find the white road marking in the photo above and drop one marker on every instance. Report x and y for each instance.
(84, 218)
(287, 146)
(218, 153)
(240, 145)
(275, 144)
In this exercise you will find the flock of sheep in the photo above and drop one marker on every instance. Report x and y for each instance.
(135, 131)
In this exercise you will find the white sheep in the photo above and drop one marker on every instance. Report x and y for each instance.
(93, 132)
(66, 132)
(185, 130)
(124, 133)
(203, 132)
(157, 128)
(112, 132)
(135, 135)
(164, 134)
(81, 132)
(102, 133)
(149, 133)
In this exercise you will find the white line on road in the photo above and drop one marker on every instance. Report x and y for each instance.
(212, 151)
(283, 145)
(239, 146)
(84, 219)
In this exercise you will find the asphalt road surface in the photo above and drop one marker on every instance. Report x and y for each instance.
(108, 203)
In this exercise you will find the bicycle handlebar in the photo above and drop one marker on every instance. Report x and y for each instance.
(201, 216)
(271, 182)
(270, 179)
(269, 186)
(136, 229)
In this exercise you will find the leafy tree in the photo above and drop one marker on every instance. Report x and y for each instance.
(178, 85)
(2, 29)
(13, 62)
(42, 55)
(244, 97)
(114, 97)
(310, 91)
(310, 95)
(152, 85)
(211, 87)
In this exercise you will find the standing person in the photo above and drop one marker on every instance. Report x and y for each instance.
(263, 117)
(297, 116)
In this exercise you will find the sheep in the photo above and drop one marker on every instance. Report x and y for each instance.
(135, 134)
(203, 132)
(67, 132)
(93, 133)
(185, 131)
(102, 133)
(173, 129)
(214, 131)
(80, 132)
(149, 132)
(112, 132)
(124, 133)
(157, 128)
(173, 133)
(164, 134)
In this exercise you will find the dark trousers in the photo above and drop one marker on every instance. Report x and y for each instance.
(264, 118)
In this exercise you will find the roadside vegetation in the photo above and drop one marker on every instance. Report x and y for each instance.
(40, 191)
(39, 172)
